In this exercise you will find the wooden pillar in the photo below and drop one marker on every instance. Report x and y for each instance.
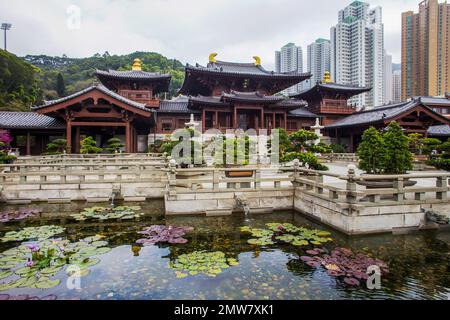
(235, 120)
(262, 118)
(204, 120)
(216, 125)
(69, 136)
(28, 147)
(127, 137)
(77, 139)
(352, 143)
(274, 120)
(285, 120)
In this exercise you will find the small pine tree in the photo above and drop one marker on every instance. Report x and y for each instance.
(89, 146)
(372, 152)
(57, 146)
(60, 85)
(114, 145)
(398, 157)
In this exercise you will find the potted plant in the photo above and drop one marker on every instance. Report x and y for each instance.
(385, 153)
(114, 145)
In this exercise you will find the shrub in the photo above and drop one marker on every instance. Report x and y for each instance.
(307, 159)
(398, 157)
(57, 146)
(5, 158)
(89, 146)
(114, 145)
(430, 144)
(338, 148)
(372, 151)
(415, 143)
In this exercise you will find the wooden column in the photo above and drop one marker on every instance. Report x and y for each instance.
(28, 147)
(235, 120)
(127, 137)
(69, 136)
(262, 118)
(77, 139)
(285, 120)
(274, 121)
(204, 120)
(216, 125)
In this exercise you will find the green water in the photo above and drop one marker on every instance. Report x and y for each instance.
(419, 263)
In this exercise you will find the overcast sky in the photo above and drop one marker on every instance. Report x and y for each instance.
(187, 30)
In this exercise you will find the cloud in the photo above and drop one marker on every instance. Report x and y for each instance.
(184, 29)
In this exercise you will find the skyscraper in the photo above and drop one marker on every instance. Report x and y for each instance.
(357, 52)
(425, 50)
(387, 78)
(318, 59)
(397, 86)
(290, 59)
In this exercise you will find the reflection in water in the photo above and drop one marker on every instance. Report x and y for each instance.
(419, 263)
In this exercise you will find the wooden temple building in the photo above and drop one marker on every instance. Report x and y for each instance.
(221, 95)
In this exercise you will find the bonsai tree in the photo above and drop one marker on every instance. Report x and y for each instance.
(415, 143)
(57, 146)
(114, 145)
(89, 146)
(442, 160)
(372, 152)
(430, 145)
(338, 148)
(398, 157)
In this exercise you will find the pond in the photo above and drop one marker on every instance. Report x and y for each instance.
(419, 264)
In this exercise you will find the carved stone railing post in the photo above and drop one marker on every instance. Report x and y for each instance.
(442, 182)
(351, 183)
(399, 185)
(258, 179)
(216, 179)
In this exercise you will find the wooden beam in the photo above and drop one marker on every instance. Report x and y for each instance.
(69, 136)
(98, 124)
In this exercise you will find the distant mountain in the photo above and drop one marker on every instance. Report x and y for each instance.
(78, 73)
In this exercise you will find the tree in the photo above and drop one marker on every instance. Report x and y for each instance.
(114, 145)
(372, 151)
(89, 146)
(398, 157)
(430, 145)
(300, 138)
(57, 146)
(415, 142)
(60, 86)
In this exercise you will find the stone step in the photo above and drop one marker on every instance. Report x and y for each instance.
(219, 212)
(59, 200)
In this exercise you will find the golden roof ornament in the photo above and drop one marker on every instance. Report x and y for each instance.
(212, 57)
(137, 65)
(257, 60)
(327, 77)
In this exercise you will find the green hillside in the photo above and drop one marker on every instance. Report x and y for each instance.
(78, 73)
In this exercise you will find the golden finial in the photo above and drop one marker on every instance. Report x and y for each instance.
(327, 77)
(257, 60)
(137, 65)
(212, 57)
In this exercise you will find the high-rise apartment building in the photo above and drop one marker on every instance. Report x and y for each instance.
(318, 59)
(357, 52)
(387, 79)
(290, 59)
(397, 86)
(425, 50)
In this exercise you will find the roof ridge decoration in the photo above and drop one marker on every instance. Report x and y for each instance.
(137, 65)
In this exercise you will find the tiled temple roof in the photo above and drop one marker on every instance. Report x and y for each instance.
(250, 69)
(177, 105)
(439, 131)
(338, 88)
(250, 97)
(302, 113)
(379, 114)
(28, 120)
(132, 75)
(102, 89)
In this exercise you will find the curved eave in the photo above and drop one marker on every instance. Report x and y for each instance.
(317, 89)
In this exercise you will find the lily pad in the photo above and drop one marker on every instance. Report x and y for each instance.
(40, 233)
(47, 284)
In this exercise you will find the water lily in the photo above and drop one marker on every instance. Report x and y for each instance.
(30, 263)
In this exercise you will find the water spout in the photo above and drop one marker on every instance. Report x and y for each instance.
(241, 202)
(114, 193)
